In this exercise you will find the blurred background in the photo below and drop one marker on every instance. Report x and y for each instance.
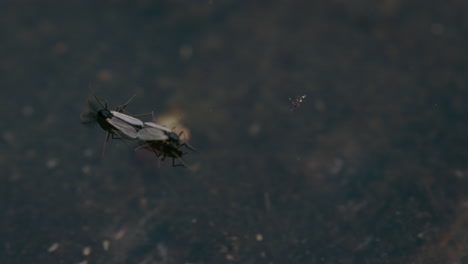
(372, 168)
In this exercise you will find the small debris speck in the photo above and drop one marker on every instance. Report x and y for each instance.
(86, 169)
(8, 137)
(254, 129)
(52, 163)
(86, 251)
(120, 233)
(437, 29)
(459, 174)
(319, 105)
(186, 52)
(259, 237)
(28, 111)
(105, 245)
(104, 76)
(88, 153)
(337, 166)
(53, 247)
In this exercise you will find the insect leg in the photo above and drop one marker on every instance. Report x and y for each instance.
(106, 138)
(182, 163)
(121, 138)
(186, 144)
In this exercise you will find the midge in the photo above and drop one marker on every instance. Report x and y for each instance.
(163, 142)
(163, 149)
(154, 132)
(115, 123)
(296, 103)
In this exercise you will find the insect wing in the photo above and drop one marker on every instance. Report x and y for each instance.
(123, 128)
(127, 119)
(151, 134)
(154, 125)
(88, 118)
(94, 105)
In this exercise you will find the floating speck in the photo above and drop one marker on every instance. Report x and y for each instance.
(259, 237)
(254, 129)
(53, 247)
(86, 169)
(186, 52)
(319, 105)
(163, 251)
(337, 166)
(437, 29)
(28, 111)
(60, 48)
(459, 174)
(120, 233)
(52, 163)
(104, 75)
(86, 251)
(8, 137)
(88, 153)
(105, 245)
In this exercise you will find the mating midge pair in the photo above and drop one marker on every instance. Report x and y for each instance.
(151, 136)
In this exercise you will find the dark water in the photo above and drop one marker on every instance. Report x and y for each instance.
(371, 169)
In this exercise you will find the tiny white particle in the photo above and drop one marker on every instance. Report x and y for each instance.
(53, 247)
(105, 245)
(86, 251)
(259, 237)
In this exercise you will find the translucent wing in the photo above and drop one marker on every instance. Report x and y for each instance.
(94, 105)
(123, 128)
(151, 134)
(154, 125)
(88, 118)
(127, 119)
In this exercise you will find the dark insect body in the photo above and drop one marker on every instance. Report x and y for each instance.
(163, 149)
(154, 132)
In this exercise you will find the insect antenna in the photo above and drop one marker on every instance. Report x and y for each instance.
(145, 114)
(187, 145)
(121, 108)
(100, 102)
